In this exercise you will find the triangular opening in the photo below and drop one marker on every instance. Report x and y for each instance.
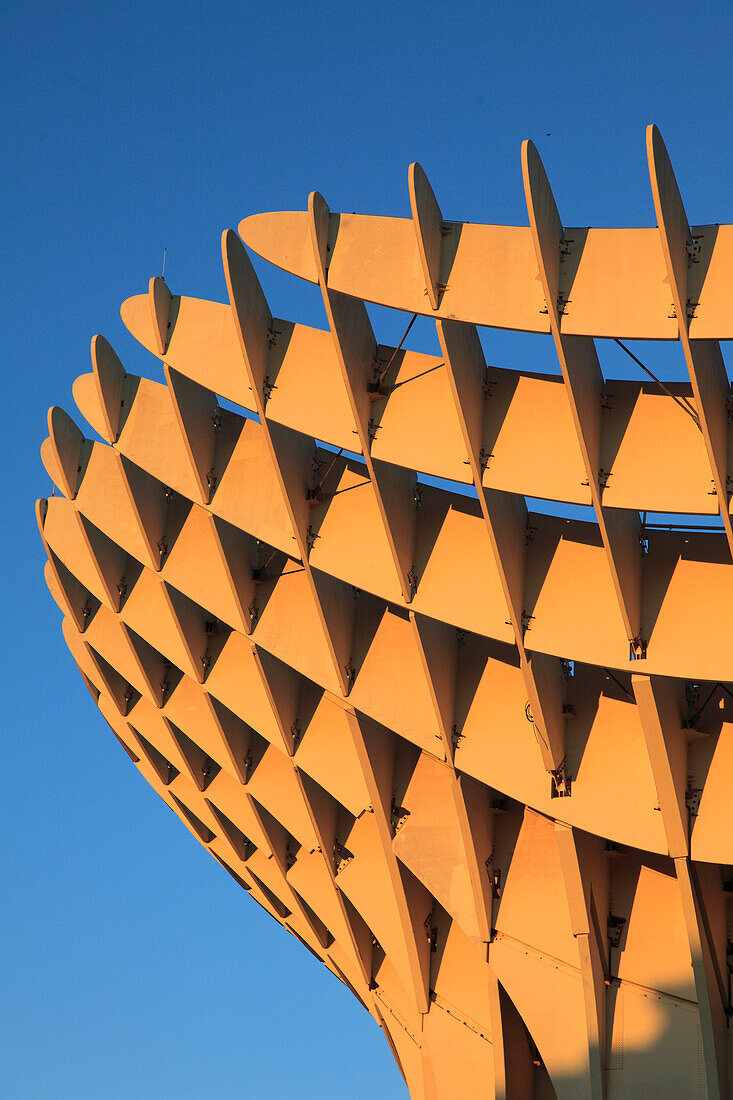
(122, 693)
(320, 931)
(280, 908)
(203, 832)
(83, 606)
(203, 635)
(161, 511)
(241, 844)
(197, 413)
(238, 551)
(163, 768)
(200, 765)
(268, 564)
(93, 690)
(246, 746)
(118, 570)
(280, 841)
(161, 676)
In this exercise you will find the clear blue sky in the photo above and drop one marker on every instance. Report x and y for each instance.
(132, 965)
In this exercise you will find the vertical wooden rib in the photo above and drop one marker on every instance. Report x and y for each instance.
(253, 322)
(355, 344)
(712, 998)
(428, 222)
(505, 517)
(666, 745)
(703, 357)
(619, 528)
(591, 952)
(373, 750)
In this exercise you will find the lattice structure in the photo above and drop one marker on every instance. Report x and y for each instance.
(477, 759)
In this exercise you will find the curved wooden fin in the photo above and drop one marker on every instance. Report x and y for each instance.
(428, 222)
(576, 854)
(356, 349)
(197, 413)
(704, 359)
(666, 743)
(252, 315)
(376, 754)
(713, 998)
(581, 371)
(437, 645)
(70, 448)
(110, 377)
(160, 299)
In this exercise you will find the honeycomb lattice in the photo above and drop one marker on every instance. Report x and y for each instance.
(477, 759)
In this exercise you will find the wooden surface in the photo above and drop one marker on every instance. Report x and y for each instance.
(475, 757)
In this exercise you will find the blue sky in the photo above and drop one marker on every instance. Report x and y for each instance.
(134, 966)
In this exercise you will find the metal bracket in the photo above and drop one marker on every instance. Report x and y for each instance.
(342, 857)
(693, 797)
(615, 926)
(456, 737)
(693, 249)
(247, 766)
(432, 931)
(398, 816)
(494, 876)
(560, 781)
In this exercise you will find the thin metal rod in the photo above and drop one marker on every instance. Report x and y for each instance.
(696, 714)
(682, 527)
(319, 485)
(383, 375)
(618, 682)
(163, 272)
(682, 402)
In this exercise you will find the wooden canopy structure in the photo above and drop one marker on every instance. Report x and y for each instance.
(477, 758)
